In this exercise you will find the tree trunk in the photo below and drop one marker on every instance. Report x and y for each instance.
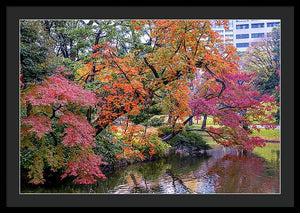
(28, 109)
(89, 114)
(191, 122)
(169, 118)
(204, 122)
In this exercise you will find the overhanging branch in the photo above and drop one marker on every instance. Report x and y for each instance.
(151, 67)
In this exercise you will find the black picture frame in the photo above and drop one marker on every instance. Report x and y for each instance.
(10, 181)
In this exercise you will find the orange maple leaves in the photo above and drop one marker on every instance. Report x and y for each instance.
(138, 143)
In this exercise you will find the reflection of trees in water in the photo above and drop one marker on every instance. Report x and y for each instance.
(223, 171)
(163, 176)
(244, 173)
(178, 184)
(142, 178)
(185, 165)
(152, 171)
(112, 180)
(220, 173)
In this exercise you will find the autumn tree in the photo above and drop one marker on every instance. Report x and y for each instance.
(55, 133)
(136, 66)
(179, 49)
(236, 112)
(263, 60)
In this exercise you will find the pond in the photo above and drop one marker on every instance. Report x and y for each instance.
(221, 170)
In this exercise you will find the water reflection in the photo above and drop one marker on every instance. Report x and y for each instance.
(220, 171)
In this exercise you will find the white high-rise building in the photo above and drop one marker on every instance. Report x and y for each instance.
(248, 32)
(243, 33)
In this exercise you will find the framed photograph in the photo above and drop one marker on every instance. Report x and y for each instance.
(188, 106)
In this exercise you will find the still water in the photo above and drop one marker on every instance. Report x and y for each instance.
(221, 170)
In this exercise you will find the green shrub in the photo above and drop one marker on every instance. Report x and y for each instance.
(156, 122)
(164, 130)
(106, 148)
(145, 114)
(191, 140)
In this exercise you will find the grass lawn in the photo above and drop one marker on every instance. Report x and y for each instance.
(270, 152)
(268, 134)
(211, 142)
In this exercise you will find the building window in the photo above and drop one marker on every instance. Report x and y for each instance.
(273, 24)
(258, 25)
(242, 26)
(242, 44)
(241, 36)
(257, 35)
(229, 31)
(229, 35)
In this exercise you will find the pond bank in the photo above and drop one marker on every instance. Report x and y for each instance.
(220, 170)
(267, 141)
(107, 169)
(181, 151)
